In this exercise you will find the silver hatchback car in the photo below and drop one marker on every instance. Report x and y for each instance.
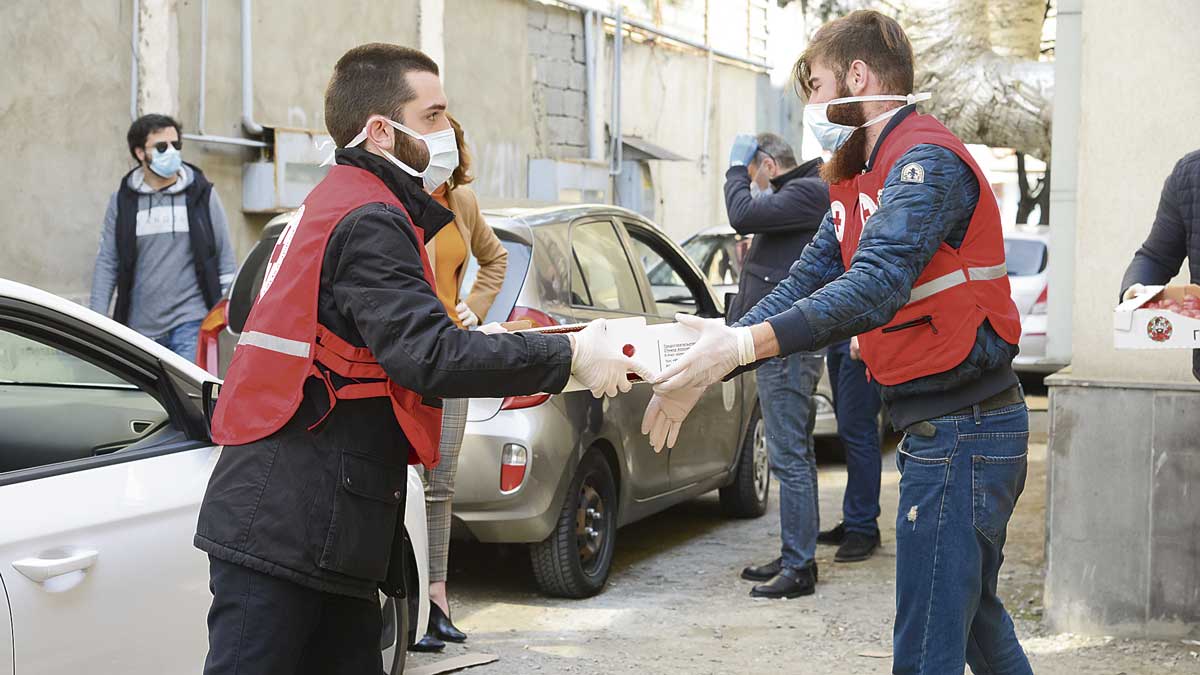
(562, 473)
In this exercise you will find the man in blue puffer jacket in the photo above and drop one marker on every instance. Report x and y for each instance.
(910, 258)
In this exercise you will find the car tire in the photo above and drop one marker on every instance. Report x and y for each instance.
(574, 561)
(395, 633)
(747, 496)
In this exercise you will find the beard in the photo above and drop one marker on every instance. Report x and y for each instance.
(848, 160)
(412, 152)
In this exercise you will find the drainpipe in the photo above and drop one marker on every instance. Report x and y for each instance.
(615, 148)
(704, 157)
(203, 63)
(593, 103)
(133, 89)
(253, 128)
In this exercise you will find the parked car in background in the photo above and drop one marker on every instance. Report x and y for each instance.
(562, 473)
(104, 457)
(1027, 255)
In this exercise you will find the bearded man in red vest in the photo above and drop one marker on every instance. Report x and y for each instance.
(335, 385)
(910, 258)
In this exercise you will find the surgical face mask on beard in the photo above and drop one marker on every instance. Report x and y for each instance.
(167, 163)
(831, 135)
(443, 153)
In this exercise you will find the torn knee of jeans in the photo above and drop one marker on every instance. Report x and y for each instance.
(912, 514)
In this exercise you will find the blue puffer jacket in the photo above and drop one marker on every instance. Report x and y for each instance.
(820, 302)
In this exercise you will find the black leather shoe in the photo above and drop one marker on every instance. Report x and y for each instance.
(789, 583)
(440, 625)
(428, 644)
(763, 572)
(833, 537)
(856, 547)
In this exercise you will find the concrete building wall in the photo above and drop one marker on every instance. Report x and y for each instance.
(1123, 516)
(556, 49)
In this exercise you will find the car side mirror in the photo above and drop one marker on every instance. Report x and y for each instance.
(209, 391)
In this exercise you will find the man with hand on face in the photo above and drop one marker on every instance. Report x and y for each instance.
(336, 383)
(910, 258)
(781, 205)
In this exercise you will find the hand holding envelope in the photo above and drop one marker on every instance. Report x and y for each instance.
(600, 364)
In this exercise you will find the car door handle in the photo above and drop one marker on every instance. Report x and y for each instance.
(56, 563)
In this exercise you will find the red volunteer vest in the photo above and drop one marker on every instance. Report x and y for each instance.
(282, 342)
(957, 290)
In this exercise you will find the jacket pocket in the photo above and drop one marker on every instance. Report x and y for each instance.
(366, 505)
(926, 320)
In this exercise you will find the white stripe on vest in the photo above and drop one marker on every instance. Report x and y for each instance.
(956, 278)
(275, 343)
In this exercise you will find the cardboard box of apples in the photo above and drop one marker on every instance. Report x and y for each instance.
(1163, 317)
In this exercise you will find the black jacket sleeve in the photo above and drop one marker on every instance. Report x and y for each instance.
(380, 285)
(799, 205)
(1162, 254)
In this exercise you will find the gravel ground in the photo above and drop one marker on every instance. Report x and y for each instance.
(675, 604)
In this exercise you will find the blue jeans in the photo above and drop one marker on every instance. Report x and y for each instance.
(182, 339)
(960, 479)
(856, 402)
(785, 392)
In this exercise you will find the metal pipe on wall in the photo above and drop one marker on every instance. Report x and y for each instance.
(707, 114)
(615, 149)
(203, 63)
(593, 103)
(253, 128)
(133, 79)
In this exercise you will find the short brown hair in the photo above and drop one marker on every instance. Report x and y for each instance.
(462, 173)
(864, 35)
(371, 79)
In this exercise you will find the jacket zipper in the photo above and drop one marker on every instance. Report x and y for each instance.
(920, 321)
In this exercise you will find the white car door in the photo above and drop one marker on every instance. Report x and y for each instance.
(6, 645)
(103, 464)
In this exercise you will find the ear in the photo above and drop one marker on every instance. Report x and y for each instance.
(141, 154)
(381, 134)
(858, 76)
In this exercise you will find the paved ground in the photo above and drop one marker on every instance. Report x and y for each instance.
(674, 603)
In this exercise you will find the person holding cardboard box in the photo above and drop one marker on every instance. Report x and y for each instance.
(335, 385)
(1172, 237)
(910, 258)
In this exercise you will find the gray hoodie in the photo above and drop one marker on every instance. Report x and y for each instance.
(165, 292)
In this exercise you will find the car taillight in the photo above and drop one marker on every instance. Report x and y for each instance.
(209, 338)
(1039, 307)
(539, 319)
(513, 462)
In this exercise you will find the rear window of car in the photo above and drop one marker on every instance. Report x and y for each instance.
(1025, 257)
(514, 279)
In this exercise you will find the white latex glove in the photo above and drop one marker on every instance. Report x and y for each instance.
(855, 352)
(600, 365)
(665, 414)
(719, 350)
(1133, 291)
(492, 328)
(465, 316)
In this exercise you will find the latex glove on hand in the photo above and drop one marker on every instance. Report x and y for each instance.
(718, 352)
(599, 364)
(665, 414)
(465, 316)
(1132, 292)
(742, 152)
(855, 351)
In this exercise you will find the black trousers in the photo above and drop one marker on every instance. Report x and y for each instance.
(262, 625)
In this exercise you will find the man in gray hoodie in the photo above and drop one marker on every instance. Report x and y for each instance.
(165, 246)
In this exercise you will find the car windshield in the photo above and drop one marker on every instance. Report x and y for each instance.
(1024, 257)
(717, 257)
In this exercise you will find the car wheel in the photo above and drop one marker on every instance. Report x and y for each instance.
(395, 633)
(748, 494)
(574, 561)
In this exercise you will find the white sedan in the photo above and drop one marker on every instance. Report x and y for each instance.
(104, 458)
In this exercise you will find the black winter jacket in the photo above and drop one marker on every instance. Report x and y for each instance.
(1174, 235)
(783, 222)
(325, 508)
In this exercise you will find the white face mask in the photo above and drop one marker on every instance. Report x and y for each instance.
(832, 136)
(755, 191)
(443, 153)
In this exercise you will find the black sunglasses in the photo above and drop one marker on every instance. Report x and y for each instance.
(161, 146)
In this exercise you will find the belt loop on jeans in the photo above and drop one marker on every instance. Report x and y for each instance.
(978, 412)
